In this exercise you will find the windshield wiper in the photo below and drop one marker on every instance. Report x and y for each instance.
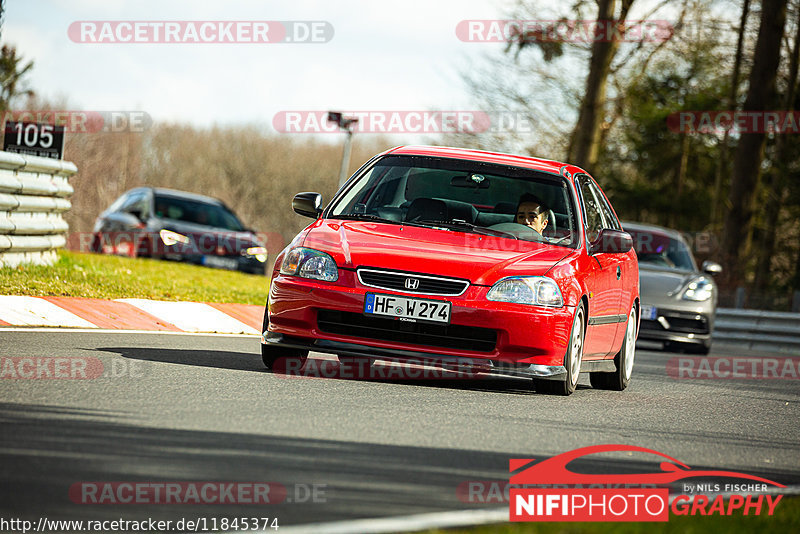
(376, 218)
(458, 224)
(363, 217)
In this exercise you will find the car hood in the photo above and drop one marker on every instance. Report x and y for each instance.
(480, 259)
(662, 282)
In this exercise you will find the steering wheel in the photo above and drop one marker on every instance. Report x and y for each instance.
(520, 230)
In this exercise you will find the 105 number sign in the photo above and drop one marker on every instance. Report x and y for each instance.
(34, 139)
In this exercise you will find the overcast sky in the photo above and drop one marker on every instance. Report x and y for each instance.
(384, 55)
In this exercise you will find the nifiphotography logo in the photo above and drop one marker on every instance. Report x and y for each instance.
(549, 491)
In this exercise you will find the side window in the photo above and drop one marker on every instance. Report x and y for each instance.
(611, 220)
(594, 219)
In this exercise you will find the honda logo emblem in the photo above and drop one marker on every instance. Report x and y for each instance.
(412, 283)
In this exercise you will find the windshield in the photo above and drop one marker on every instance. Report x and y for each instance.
(660, 250)
(191, 211)
(462, 196)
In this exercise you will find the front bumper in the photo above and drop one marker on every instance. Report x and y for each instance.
(246, 264)
(678, 325)
(479, 365)
(527, 339)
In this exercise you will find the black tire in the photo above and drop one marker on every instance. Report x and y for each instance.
(270, 355)
(619, 379)
(144, 249)
(572, 360)
(701, 349)
(97, 244)
(689, 348)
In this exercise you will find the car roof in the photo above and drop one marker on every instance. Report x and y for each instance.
(185, 194)
(544, 165)
(652, 228)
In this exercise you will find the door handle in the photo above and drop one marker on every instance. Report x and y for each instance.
(619, 272)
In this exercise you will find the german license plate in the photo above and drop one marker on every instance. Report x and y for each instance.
(649, 313)
(221, 262)
(406, 309)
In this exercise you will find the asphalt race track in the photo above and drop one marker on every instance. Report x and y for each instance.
(181, 408)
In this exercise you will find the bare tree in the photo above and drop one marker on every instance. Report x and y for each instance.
(12, 74)
(776, 177)
(723, 167)
(585, 140)
(750, 150)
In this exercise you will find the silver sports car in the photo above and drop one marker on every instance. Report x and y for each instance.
(678, 299)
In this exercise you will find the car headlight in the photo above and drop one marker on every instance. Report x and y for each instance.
(699, 289)
(310, 263)
(170, 238)
(259, 252)
(534, 290)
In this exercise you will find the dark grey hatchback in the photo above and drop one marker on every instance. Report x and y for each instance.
(181, 226)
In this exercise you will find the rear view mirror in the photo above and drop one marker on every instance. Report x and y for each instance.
(472, 181)
(611, 242)
(307, 204)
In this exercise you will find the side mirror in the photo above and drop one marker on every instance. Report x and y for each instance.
(611, 242)
(711, 267)
(307, 204)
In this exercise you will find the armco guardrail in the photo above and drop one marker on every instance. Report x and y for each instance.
(34, 195)
(758, 330)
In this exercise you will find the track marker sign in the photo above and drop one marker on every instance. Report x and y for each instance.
(34, 139)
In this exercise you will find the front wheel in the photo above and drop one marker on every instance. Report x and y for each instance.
(572, 361)
(619, 379)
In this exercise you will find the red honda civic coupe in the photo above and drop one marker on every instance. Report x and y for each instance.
(516, 265)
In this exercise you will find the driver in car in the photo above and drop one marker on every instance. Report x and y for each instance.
(532, 212)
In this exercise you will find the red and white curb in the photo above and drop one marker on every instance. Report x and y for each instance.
(130, 314)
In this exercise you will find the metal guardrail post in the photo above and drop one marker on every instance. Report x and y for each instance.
(739, 298)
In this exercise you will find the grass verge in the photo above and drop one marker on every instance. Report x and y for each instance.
(110, 277)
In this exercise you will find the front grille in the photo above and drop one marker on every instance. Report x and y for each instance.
(686, 323)
(423, 284)
(387, 329)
